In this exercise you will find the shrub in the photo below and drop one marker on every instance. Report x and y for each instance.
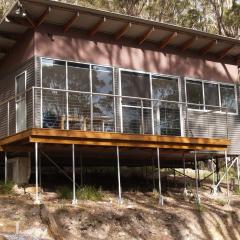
(64, 192)
(6, 188)
(89, 193)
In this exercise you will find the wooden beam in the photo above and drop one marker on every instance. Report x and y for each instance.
(167, 40)
(70, 22)
(97, 26)
(206, 48)
(43, 16)
(29, 19)
(146, 35)
(14, 148)
(134, 144)
(125, 137)
(225, 52)
(186, 45)
(121, 33)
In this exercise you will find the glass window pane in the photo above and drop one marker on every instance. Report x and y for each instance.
(194, 94)
(54, 109)
(103, 113)
(135, 85)
(165, 88)
(79, 111)
(228, 98)
(211, 95)
(53, 74)
(131, 120)
(102, 79)
(20, 83)
(78, 77)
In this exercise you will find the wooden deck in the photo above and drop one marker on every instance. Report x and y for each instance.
(23, 142)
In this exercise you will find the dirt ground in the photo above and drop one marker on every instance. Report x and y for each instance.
(139, 217)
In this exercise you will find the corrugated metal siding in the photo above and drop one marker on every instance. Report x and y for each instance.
(7, 91)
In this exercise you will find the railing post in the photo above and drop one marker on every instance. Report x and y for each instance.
(142, 117)
(238, 173)
(33, 107)
(8, 124)
(187, 120)
(227, 123)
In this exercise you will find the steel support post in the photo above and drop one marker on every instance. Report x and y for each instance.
(184, 175)
(213, 176)
(153, 175)
(238, 173)
(226, 165)
(37, 199)
(6, 168)
(196, 177)
(159, 179)
(119, 178)
(74, 200)
(81, 170)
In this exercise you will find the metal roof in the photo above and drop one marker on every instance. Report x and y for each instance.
(119, 27)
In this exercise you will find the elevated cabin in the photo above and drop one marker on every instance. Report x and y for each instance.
(74, 76)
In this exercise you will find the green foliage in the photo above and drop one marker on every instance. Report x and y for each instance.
(6, 188)
(89, 193)
(64, 192)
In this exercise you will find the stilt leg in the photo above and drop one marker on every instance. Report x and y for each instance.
(37, 200)
(238, 173)
(6, 168)
(74, 200)
(153, 175)
(213, 177)
(185, 180)
(226, 164)
(196, 178)
(119, 179)
(159, 179)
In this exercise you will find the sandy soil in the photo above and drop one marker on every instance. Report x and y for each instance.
(139, 217)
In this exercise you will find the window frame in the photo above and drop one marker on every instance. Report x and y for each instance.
(219, 84)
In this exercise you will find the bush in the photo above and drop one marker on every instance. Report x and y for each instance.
(89, 193)
(6, 188)
(64, 192)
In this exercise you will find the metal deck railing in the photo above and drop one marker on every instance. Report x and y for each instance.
(75, 110)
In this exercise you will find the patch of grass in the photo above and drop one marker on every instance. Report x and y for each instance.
(6, 188)
(221, 202)
(64, 192)
(89, 193)
(199, 207)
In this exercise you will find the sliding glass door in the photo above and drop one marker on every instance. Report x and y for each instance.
(167, 114)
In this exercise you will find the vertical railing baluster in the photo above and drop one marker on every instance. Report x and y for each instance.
(142, 117)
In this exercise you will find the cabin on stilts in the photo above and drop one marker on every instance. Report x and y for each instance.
(113, 90)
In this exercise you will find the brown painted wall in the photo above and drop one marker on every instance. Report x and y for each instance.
(19, 54)
(76, 45)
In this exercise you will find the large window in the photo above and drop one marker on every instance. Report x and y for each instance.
(194, 94)
(166, 115)
(78, 77)
(102, 79)
(165, 88)
(53, 74)
(211, 96)
(136, 113)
